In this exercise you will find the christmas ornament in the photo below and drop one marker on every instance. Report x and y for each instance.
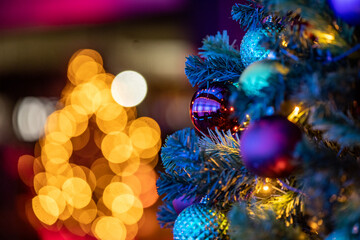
(201, 222)
(347, 10)
(338, 235)
(267, 146)
(250, 49)
(260, 75)
(210, 108)
(180, 204)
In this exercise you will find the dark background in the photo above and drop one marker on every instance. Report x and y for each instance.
(153, 37)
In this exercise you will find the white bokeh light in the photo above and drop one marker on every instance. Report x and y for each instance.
(129, 88)
(29, 117)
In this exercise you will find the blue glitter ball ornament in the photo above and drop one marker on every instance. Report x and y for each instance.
(347, 10)
(201, 222)
(250, 48)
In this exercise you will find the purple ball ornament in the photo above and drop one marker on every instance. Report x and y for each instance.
(181, 203)
(210, 108)
(267, 146)
(347, 10)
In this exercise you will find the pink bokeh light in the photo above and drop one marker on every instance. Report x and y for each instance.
(40, 13)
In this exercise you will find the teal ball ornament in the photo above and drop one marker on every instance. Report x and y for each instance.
(260, 75)
(201, 222)
(250, 47)
(340, 234)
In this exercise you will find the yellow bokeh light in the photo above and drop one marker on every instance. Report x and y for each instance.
(102, 209)
(122, 203)
(102, 183)
(61, 121)
(133, 215)
(56, 194)
(55, 153)
(126, 168)
(87, 214)
(114, 190)
(100, 168)
(129, 88)
(116, 147)
(78, 171)
(111, 119)
(73, 226)
(67, 212)
(86, 96)
(80, 141)
(58, 170)
(144, 137)
(40, 180)
(133, 182)
(77, 192)
(132, 231)
(103, 196)
(90, 177)
(144, 122)
(110, 228)
(83, 67)
(80, 116)
(90, 53)
(110, 111)
(45, 209)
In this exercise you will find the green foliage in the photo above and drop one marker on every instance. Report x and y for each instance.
(260, 224)
(219, 46)
(335, 126)
(167, 215)
(200, 71)
(180, 152)
(220, 61)
(348, 217)
(248, 15)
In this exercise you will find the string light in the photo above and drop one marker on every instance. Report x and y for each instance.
(294, 113)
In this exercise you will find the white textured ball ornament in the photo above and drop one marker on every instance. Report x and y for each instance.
(201, 222)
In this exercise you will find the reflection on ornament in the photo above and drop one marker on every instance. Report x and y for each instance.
(201, 222)
(210, 108)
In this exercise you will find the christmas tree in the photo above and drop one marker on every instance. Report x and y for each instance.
(275, 149)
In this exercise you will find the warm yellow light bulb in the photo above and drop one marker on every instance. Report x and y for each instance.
(296, 110)
(265, 188)
(294, 113)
